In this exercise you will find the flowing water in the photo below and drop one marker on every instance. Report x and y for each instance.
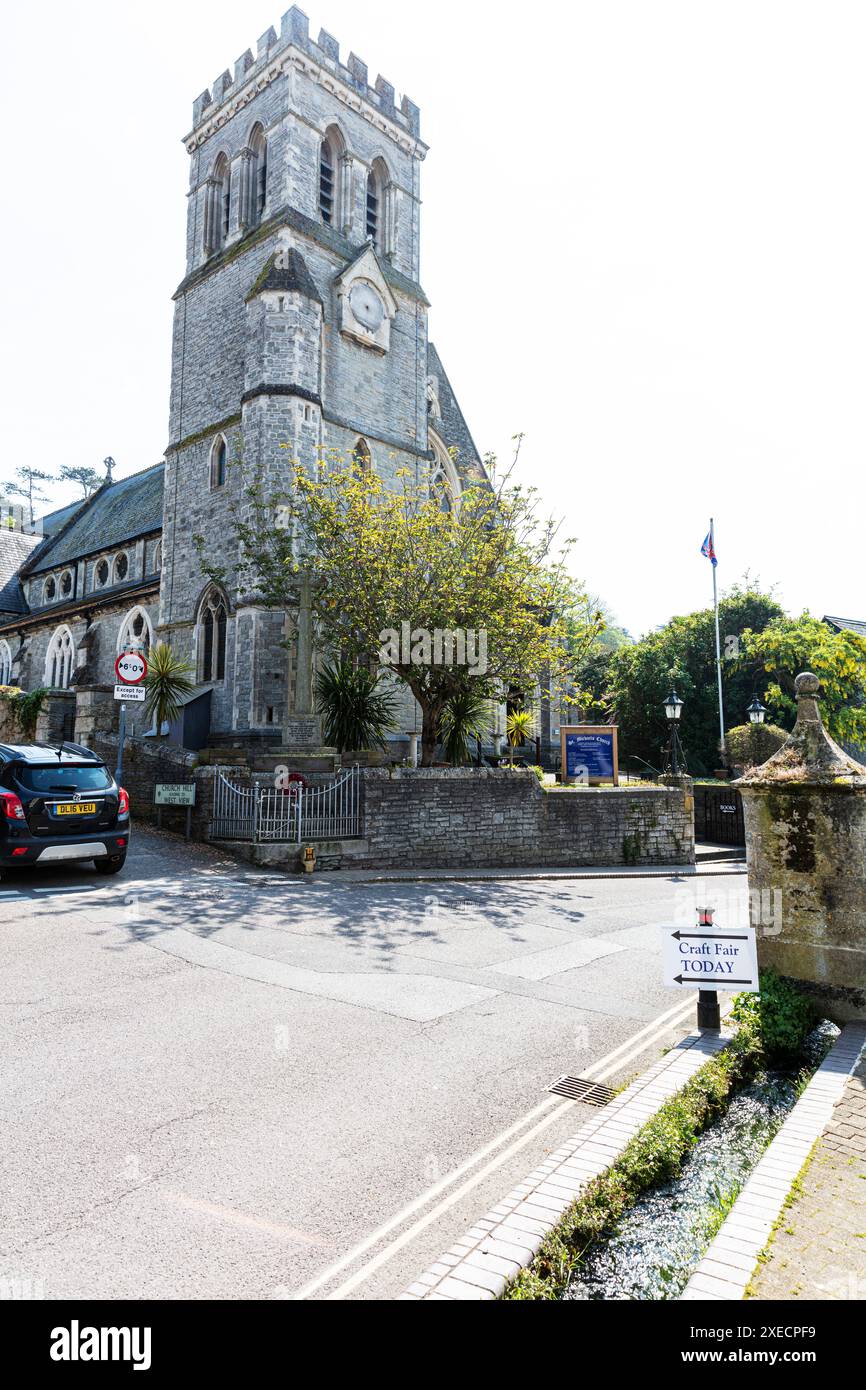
(666, 1233)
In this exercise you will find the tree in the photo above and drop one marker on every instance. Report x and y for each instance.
(27, 486)
(399, 570)
(518, 726)
(683, 653)
(87, 478)
(788, 646)
(166, 683)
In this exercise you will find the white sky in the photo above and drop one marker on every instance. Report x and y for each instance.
(644, 239)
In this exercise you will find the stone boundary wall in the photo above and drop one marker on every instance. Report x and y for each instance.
(455, 818)
(145, 764)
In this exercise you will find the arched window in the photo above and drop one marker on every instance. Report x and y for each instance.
(66, 581)
(444, 478)
(380, 208)
(218, 461)
(212, 625)
(120, 569)
(374, 197)
(60, 660)
(328, 181)
(361, 457)
(5, 663)
(50, 590)
(258, 190)
(217, 207)
(135, 632)
(101, 573)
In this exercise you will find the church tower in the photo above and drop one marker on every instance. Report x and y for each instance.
(300, 326)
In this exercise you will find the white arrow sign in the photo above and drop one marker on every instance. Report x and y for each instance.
(711, 958)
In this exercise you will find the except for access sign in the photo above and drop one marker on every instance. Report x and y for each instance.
(131, 668)
(130, 694)
(711, 958)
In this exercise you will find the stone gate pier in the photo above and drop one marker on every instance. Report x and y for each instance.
(805, 816)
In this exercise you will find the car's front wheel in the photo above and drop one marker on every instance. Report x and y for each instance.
(112, 865)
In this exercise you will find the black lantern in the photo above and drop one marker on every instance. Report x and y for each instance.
(673, 707)
(673, 711)
(756, 712)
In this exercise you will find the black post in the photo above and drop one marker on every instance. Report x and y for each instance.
(709, 1015)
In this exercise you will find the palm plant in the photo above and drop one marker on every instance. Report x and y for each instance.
(465, 717)
(167, 681)
(357, 708)
(519, 727)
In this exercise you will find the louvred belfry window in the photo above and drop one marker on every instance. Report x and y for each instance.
(372, 206)
(326, 182)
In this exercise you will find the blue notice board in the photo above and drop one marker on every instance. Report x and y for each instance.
(589, 753)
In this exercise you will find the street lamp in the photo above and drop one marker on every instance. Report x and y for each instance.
(673, 711)
(756, 711)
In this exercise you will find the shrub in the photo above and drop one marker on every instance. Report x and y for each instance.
(24, 706)
(750, 745)
(780, 1017)
(358, 710)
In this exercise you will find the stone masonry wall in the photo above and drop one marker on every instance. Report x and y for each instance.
(462, 818)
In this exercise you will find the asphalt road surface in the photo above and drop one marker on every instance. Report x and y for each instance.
(223, 1083)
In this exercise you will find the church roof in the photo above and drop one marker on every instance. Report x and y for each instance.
(293, 277)
(118, 512)
(452, 428)
(856, 625)
(15, 547)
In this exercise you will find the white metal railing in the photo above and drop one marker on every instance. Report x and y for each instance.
(262, 814)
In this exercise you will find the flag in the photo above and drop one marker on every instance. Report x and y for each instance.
(709, 548)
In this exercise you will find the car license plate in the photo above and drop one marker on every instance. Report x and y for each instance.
(81, 808)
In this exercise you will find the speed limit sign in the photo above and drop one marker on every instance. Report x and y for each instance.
(131, 668)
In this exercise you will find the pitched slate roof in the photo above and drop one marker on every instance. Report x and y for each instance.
(452, 428)
(847, 625)
(118, 512)
(15, 547)
(293, 277)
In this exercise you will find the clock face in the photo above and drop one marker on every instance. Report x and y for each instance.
(366, 306)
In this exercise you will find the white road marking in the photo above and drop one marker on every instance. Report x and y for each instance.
(549, 1110)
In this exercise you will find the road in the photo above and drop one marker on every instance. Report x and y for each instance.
(222, 1083)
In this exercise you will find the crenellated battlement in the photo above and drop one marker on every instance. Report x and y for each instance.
(295, 32)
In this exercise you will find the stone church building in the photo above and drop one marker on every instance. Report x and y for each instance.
(300, 326)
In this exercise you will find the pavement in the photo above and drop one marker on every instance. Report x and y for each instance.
(221, 1082)
(819, 1249)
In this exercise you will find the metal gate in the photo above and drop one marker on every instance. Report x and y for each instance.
(719, 816)
(264, 814)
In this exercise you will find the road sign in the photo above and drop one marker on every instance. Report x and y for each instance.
(174, 794)
(130, 694)
(710, 958)
(131, 668)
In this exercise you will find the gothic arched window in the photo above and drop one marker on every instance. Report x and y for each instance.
(60, 660)
(50, 590)
(444, 478)
(218, 461)
(217, 208)
(102, 573)
(5, 663)
(374, 197)
(121, 568)
(258, 193)
(327, 181)
(213, 622)
(361, 457)
(135, 632)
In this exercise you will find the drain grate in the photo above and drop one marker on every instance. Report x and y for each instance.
(578, 1088)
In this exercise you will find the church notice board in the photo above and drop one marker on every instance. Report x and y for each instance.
(590, 753)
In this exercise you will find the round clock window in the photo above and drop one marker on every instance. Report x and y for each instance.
(366, 306)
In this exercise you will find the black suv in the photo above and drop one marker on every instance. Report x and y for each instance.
(60, 803)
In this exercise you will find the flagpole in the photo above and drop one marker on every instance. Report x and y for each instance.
(718, 648)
